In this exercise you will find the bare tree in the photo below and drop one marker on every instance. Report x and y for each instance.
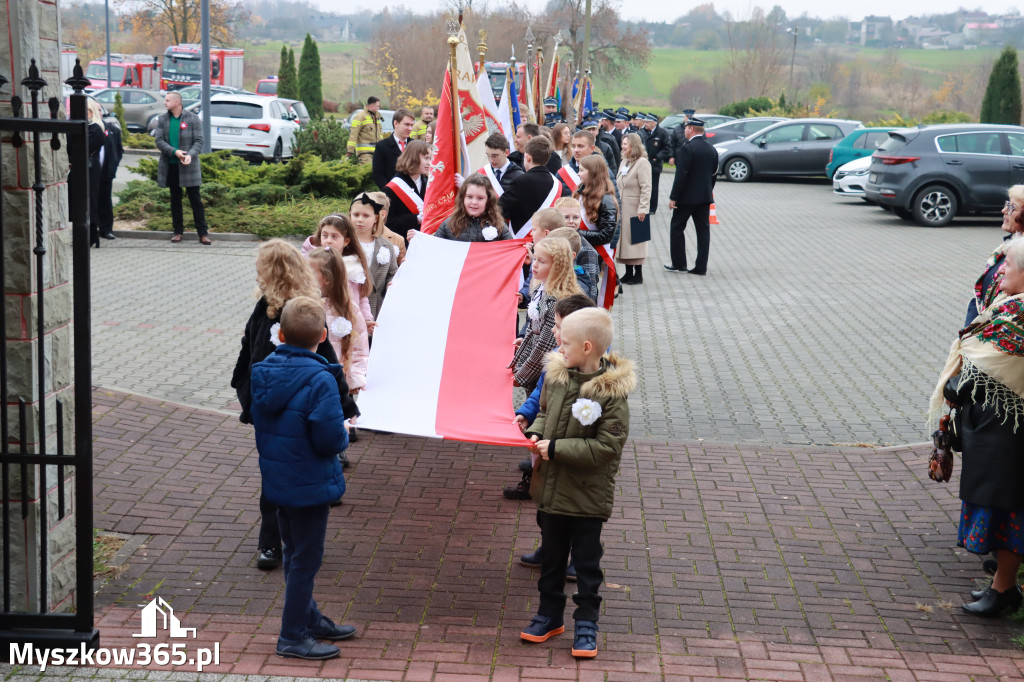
(178, 20)
(756, 54)
(616, 48)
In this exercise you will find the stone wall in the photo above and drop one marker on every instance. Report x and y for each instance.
(33, 32)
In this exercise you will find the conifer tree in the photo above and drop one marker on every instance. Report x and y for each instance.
(1002, 101)
(287, 85)
(310, 80)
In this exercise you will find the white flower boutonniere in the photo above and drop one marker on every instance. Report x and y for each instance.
(533, 310)
(341, 327)
(275, 334)
(586, 411)
(490, 233)
(384, 255)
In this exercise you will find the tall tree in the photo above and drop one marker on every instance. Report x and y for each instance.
(179, 20)
(310, 79)
(616, 47)
(287, 82)
(1002, 101)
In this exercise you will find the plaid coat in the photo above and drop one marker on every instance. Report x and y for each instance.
(190, 140)
(383, 263)
(538, 342)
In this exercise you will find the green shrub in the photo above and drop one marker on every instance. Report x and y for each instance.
(326, 138)
(119, 111)
(743, 107)
(895, 120)
(138, 141)
(289, 218)
(263, 193)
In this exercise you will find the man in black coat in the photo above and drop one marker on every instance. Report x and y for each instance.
(691, 196)
(524, 133)
(112, 153)
(527, 193)
(387, 151)
(604, 134)
(659, 150)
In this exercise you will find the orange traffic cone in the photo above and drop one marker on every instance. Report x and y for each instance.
(713, 218)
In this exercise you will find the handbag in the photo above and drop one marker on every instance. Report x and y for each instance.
(940, 464)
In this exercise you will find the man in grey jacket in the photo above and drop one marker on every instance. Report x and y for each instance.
(179, 137)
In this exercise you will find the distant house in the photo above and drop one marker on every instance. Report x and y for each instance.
(981, 31)
(868, 30)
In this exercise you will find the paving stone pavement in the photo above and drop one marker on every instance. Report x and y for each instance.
(732, 561)
(822, 320)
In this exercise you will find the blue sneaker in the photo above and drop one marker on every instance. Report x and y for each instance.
(584, 643)
(570, 573)
(307, 648)
(531, 560)
(541, 629)
(326, 629)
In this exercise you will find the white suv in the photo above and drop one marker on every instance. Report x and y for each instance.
(253, 126)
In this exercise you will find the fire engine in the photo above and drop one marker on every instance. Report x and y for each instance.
(182, 66)
(126, 71)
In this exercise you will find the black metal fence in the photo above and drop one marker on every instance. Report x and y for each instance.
(44, 626)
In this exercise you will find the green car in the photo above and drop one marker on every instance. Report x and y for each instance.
(861, 142)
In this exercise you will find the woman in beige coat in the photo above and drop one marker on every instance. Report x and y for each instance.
(635, 189)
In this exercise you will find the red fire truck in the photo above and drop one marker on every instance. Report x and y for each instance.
(182, 66)
(126, 71)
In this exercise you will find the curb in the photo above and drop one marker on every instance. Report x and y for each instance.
(142, 152)
(163, 235)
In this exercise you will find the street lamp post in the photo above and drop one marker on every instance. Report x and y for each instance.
(106, 14)
(792, 60)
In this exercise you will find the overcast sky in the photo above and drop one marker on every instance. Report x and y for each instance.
(669, 10)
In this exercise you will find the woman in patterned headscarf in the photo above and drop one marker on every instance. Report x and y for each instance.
(984, 379)
(987, 287)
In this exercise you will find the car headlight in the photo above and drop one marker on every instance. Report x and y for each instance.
(860, 172)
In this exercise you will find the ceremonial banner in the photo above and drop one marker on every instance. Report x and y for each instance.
(439, 201)
(514, 100)
(552, 89)
(494, 124)
(439, 363)
(505, 112)
(471, 109)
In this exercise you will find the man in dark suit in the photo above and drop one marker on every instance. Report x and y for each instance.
(524, 133)
(527, 193)
(113, 150)
(387, 151)
(604, 134)
(659, 149)
(696, 169)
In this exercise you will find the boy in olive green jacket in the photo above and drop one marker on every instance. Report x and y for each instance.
(578, 438)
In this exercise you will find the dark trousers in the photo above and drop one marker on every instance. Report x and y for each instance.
(270, 534)
(655, 180)
(106, 205)
(198, 213)
(304, 530)
(677, 239)
(559, 534)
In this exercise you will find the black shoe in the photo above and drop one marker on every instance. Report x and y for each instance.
(343, 458)
(673, 268)
(698, 272)
(531, 560)
(269, 559)
(626, 279)
(109, 235)
(637, 279)
(989, 566)
(353, 435)
(978, 594)
(327, 629)
(308, 649)
(994, 603)
(520, 491)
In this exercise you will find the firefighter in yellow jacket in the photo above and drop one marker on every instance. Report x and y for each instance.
(426, 116)
(365, 131)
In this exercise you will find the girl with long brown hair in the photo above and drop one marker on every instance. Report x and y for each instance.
(346, 328)
(598, 207)
(477, 217)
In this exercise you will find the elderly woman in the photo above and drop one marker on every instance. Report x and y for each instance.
(984, 380)
(635, 190)
(987, 287)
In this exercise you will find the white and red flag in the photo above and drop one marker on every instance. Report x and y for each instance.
(471, 109)
(439, 363)
(439, 201)
(570, 177)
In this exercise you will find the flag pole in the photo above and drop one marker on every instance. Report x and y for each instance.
(570, 116)
(481, 49)
(453, 42)
(539, 103)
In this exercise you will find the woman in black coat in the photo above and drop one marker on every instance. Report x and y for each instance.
(984, 380)
(408, 188)
(96, 139)
(598, 206)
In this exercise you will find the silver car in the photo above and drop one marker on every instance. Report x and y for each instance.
(140, 106)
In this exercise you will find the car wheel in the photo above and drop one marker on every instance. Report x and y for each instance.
(934, 206)
(904, 213)
(737, 170)
(278, 150)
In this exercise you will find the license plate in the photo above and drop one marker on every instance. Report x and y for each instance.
(873, 178)
(229, 131)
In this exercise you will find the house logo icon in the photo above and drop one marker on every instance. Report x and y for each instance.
(170, 621)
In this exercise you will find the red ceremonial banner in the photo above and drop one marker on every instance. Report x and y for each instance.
(439, 201)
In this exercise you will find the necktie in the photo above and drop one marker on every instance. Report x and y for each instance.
(497, 175)
(401, 145)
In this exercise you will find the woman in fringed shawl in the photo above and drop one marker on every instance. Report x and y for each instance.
(987, 287)
(984, 379)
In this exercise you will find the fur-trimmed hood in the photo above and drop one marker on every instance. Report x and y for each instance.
(617, 380)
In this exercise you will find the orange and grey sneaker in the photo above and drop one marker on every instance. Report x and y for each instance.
(584, 643)
(541, 629)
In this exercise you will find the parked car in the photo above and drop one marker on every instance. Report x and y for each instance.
(850, 178)
(140, 106)
(710, 120)
(298, 107)
(932, 174)
(387, 126)
(796, 147)
(194, 93)
(740, 128)
(267, 86)
(861, 142)
(256, 127)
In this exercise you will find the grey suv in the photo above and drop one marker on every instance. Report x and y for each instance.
(797, 147)
(932, 174)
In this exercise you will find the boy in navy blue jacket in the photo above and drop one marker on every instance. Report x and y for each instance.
(300, 429)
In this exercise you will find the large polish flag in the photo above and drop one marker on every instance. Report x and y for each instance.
(439, 363)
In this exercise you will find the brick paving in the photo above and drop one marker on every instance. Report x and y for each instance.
(745, 544)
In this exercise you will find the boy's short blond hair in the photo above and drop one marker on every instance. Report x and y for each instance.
(567, 202)
(547, 219)
(303, 322)
(591, 324)
(570, 235)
